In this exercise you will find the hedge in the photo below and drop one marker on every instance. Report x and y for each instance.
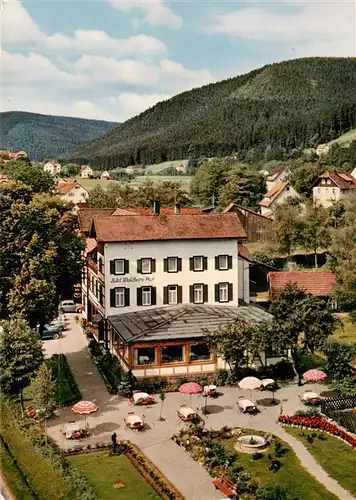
(67, 388)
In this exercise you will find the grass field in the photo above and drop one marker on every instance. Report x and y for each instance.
(157, 167)
(104, 471)
(14, 480)
(292, 475)
(348, 332)
(345, 139)
(335, 457)
(89, 184)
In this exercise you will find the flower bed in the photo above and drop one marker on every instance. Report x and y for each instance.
(144, 466)
(317, 422)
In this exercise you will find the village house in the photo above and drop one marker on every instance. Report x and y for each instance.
(322, 149)
(318, 284)
(256, 226)
(12, 156)
(85, 171)
(72, 192)
(278, 175)
(52, 168)
(105, 176)
(353, 173)
(280, 193)
(331, 186)
(154, 282)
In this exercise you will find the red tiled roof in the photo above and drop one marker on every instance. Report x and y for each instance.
(318, 284)
(65, 187)
(276, 172)
(265, 203)
(167, 227)
(343, 180)
(90, 244)
(85, 216)
(276, 190)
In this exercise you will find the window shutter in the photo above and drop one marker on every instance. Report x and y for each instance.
(127, 295)
(179, 294)
(191, 294)
(216, 262)
(229, 261)
(139, 296)
(165, 295)
(112, 298)
(191, 263)
(112, 267)
(165, 265)
(153, 265)
(230, 292)
(205, 293)
(205, 263)
(139, 266)
(126, 266)
(217, 295)
(153, 296)
(179, 264)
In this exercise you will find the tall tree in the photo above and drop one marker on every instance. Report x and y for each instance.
(301, 322)
(43, 390)
(21, 354)
(242, 186)
(316, 230)
(208, 179)
(288, 226)
(31, 175)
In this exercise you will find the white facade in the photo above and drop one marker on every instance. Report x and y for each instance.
(353, 173)
(52, 168)
(273, 180)
(77, 194)
(184, 250)
(105, 175)
(85, 171)
(326, 194)
(282, 197)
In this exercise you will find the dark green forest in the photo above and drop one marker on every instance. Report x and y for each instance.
(279, 109)
(45, 136)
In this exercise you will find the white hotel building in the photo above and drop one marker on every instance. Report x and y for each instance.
(155, 280)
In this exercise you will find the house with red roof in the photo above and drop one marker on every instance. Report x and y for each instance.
(156, 279)
(278, 175)
(72, 192)
(280, 193)
(331, 186)
(318, 284)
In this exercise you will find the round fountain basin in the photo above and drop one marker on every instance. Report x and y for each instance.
(251, 443)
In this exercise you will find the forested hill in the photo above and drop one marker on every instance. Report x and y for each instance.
(45, 136)
(293, 104)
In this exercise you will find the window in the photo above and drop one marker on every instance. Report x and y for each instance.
(223, 292)
(119, 266)
(198, 294)
(172, 294)
(146, 266)
(172, 264)
(145, 356)
(120, 297)
(198, 263)
(323, 181)
(223, 262)
(146, 295)
(172, 354)
(199, 352)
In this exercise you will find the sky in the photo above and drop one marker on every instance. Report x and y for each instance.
(112, 59)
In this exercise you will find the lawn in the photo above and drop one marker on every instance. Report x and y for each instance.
(185, 180)
(292, 475)
(348, 331)
(104, 471)
(89, 184)
(13, 477)
(335, 457)
(47, 482)
(157, 167)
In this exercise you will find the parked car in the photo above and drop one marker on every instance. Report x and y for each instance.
(51, 332)
(60, 321)
(69, 306)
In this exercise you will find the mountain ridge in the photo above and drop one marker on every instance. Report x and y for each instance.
(284, 106)
(47, 136)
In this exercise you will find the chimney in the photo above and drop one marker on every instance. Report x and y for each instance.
(156, 208)
(177, 209)
(292, 266)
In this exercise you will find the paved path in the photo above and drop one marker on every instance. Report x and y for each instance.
(188, 477)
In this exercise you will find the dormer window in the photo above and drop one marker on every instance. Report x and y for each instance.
(323, 181)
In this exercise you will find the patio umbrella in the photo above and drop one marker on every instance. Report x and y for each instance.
(85, 408)
(250, 383)
(271, 384)
(314, 375)
(190, 388)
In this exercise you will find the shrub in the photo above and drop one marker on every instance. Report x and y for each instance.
(67, 388)
(221, 377)
(257, 455)
(108, 366)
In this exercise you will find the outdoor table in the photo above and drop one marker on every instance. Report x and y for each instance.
(142, 398)
(185, 413)
(267, 382)
(246, 405)
(209, 390)
(311, 397)
(134, 421)
(73, 431)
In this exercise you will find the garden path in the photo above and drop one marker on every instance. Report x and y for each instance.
(187, 476)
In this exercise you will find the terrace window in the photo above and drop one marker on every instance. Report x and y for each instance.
(199, 352)
(172, 354)
(145, 355)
